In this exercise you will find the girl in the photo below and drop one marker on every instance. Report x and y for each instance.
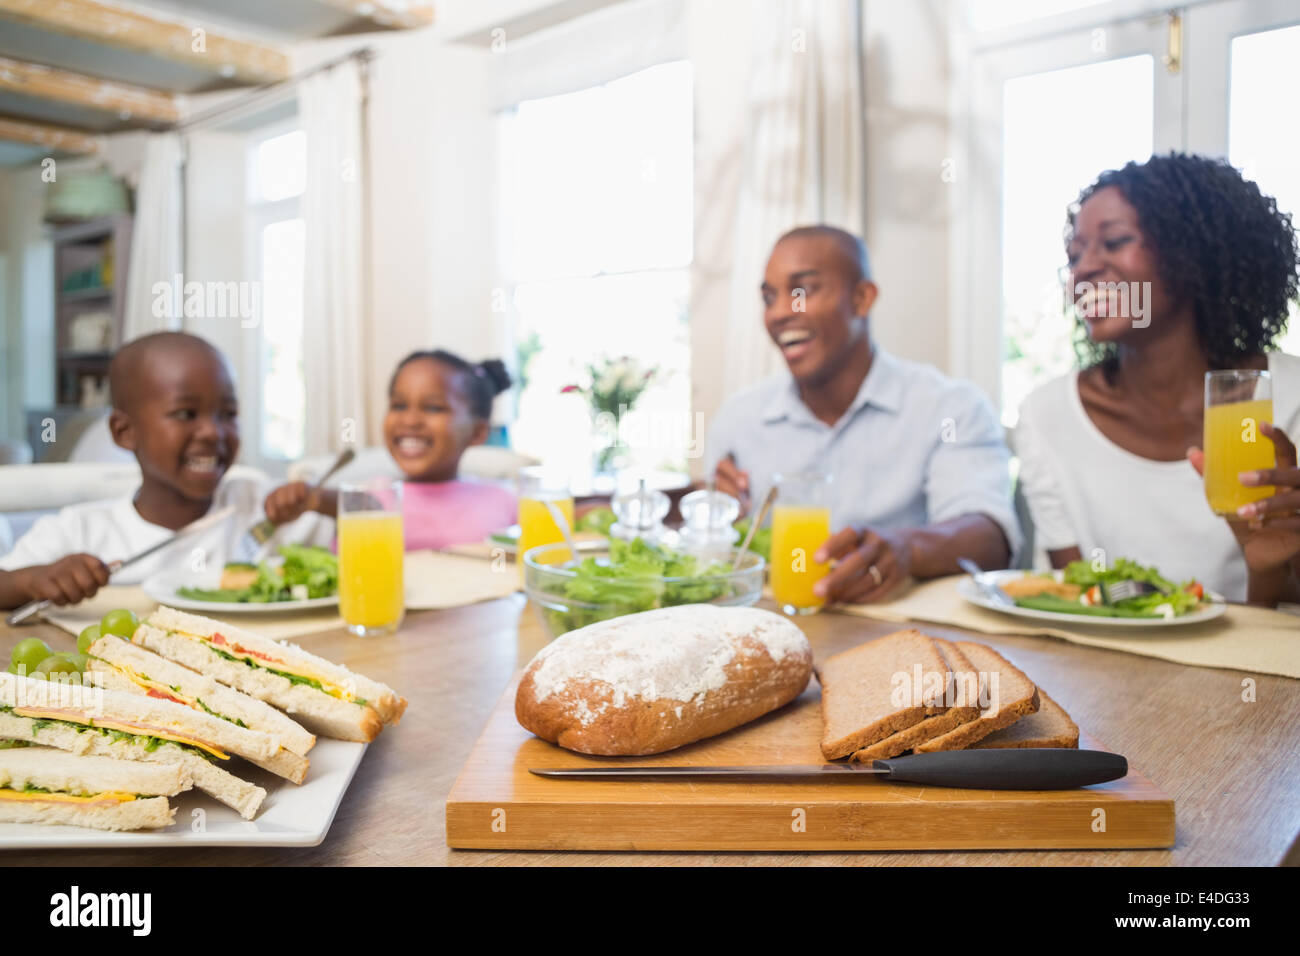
(438, 406)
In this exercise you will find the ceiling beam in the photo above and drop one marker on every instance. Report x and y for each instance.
(396, 14)
(125, 101)
(55, 138)
(127, 29)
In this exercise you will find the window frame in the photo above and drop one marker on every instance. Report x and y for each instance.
(258, 214)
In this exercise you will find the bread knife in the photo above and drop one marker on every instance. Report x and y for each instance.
(207, 521)
(995, 769)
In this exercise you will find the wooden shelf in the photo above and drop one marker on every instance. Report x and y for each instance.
(79, 250)
(82, 295)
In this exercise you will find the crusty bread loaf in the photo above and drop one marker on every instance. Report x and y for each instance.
(1050, 726)
(863, 697)
(654, 681)
(147, 814)
(962, 690)
(1009, 693)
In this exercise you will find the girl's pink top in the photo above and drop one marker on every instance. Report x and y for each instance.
(438, 514)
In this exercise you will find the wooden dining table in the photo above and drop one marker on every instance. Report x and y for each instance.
(1231, 765)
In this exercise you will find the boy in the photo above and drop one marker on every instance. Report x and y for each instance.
(175, 409)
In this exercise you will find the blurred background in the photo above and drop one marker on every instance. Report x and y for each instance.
(322, 186)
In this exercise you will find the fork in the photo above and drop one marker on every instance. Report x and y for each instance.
(262, 531)
(1123, 590)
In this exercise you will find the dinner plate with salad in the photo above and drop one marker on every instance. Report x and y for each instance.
(300, 579)
(1081, 594)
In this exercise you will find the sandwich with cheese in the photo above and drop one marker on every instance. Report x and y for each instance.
(117, 664)
(92, 720)
(324, 697)
(41, 785)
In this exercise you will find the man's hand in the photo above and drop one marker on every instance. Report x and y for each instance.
(869, 566)
(290, 502)
(68, 580)
(729, 479)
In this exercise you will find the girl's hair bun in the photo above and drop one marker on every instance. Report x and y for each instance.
(494, 370)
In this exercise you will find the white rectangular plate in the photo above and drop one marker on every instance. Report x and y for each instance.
(290, 816)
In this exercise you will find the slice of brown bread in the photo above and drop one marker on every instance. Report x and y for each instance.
(1010, 695)
(1051, 726)
(962, 696)
(860, 705)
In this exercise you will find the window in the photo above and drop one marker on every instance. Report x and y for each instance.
(596, 224)
(1263, 148)
(1039, 180)
(1052, 106)
(277, 176)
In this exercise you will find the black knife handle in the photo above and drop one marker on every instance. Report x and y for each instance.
(1007, 768)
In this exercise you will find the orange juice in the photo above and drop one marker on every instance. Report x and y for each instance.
(1233, 444)
(537, 527)
(797, 532)
(371, 590)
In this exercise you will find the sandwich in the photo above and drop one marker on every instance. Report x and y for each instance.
(93, 720)
(40, 785)
(117, 664)
(324, 697)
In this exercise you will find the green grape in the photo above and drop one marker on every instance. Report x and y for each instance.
(120, 622)
(87, 637)
(55, 664)
(30, 652)
(78, 660)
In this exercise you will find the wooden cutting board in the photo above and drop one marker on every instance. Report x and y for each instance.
(497, 804)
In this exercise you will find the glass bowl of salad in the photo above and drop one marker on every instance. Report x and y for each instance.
(628, 577)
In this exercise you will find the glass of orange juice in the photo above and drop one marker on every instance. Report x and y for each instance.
(1236, 401)
(537, 488)
(801, 523)
(372, 593)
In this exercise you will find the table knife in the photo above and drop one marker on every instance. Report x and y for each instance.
(1000, 769)
(987, 587)
(203, 524)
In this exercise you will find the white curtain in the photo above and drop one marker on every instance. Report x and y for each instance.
(802, 155)
(156, 252)
(336, 327)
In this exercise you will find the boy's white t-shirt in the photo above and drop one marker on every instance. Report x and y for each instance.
(112, 529)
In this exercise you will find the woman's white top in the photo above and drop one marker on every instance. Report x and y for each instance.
(1082, 489)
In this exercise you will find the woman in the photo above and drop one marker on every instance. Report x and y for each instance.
(1109, 454)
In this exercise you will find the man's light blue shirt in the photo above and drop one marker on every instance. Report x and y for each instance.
(914, 448)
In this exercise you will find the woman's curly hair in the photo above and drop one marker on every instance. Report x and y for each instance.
(1219, 242)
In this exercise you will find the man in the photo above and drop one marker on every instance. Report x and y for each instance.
(918, 461)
